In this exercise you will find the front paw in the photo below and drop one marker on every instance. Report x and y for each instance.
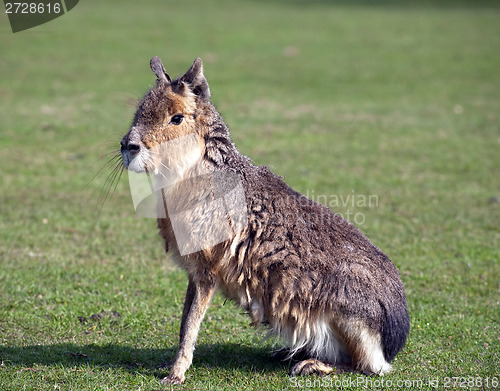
(172, 378)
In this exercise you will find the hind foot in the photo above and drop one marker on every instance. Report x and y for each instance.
(311, 366)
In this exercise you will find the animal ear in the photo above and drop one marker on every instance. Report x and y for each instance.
(158, 69)
(195, 79)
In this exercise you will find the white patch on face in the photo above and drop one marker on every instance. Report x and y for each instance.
(135, 161)
(137, 164)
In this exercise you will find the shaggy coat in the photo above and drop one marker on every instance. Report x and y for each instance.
(293, 264)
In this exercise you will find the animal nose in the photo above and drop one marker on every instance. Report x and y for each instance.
(133, 148)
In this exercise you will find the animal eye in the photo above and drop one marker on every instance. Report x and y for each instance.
(176, 119)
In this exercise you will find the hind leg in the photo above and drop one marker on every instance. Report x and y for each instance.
(365, 347)
(370, 357)
(350, 342)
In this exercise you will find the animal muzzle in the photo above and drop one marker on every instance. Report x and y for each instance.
(130, 148)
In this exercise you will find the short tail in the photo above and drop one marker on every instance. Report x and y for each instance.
(395, 328)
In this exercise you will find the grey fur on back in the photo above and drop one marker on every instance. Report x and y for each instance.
(331, 265)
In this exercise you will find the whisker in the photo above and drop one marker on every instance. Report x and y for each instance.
(168, 168)
(116, 154)
(115, 174)
(110, 185)
(157, 153)
(113, 160)
(163, 175)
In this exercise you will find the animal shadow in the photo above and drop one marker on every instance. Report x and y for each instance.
(142, 360)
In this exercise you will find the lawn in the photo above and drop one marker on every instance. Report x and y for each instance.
(388, 112)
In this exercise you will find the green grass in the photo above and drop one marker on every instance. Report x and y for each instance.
(398, 100)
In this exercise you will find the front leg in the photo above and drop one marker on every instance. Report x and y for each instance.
(188, 301)
(191, 290)
(198, 297)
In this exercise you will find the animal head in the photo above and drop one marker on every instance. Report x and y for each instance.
(169, 111)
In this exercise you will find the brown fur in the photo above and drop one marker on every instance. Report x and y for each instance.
(310, 275)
